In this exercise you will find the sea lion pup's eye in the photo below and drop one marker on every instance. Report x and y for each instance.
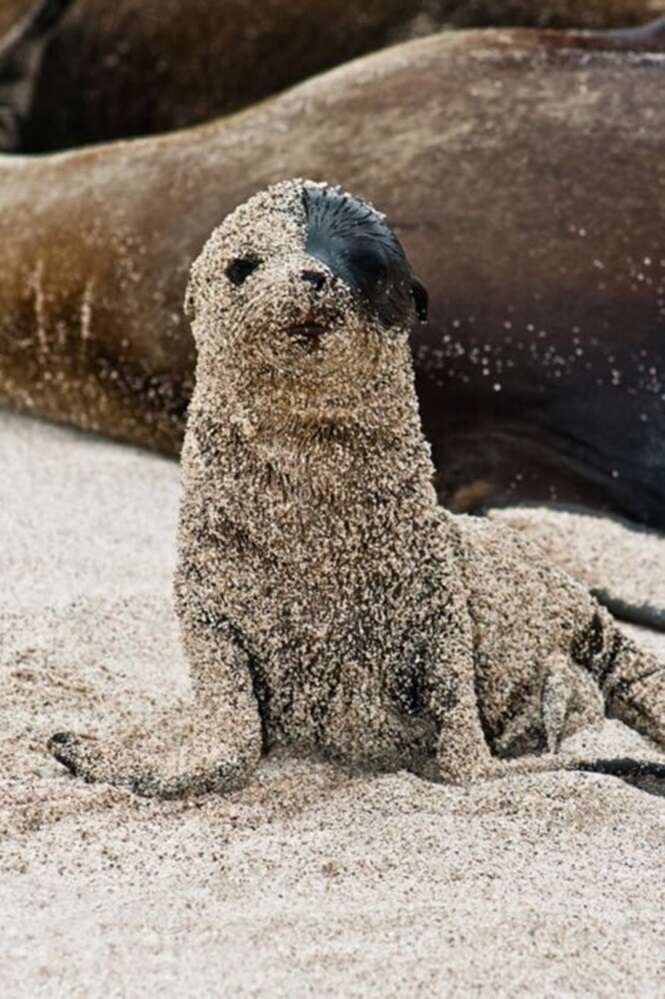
(240, 268)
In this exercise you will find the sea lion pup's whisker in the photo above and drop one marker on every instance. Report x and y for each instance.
(326, 601)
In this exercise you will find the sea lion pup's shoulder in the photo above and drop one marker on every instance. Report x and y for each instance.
(325, 600)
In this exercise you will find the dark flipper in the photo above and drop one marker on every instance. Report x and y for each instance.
(625, 767)
(648, 37)
(204, 774)
(645, 774)
(644, 614)
(21, 52)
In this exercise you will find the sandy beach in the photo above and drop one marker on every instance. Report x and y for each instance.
(308, 882)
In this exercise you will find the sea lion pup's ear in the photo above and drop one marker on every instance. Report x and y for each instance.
(420, 298)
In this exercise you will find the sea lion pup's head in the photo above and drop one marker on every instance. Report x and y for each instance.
(300, 298)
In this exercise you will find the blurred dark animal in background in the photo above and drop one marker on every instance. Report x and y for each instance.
(138, 67)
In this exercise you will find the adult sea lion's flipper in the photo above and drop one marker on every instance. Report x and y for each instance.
(620, 562)
(21, 52)
(646, 37)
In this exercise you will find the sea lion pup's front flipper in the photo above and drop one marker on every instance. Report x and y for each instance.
(21, 52)
(221, 743)
(619, 561)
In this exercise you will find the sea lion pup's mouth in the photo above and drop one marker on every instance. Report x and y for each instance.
(315, 324)
(311, 329)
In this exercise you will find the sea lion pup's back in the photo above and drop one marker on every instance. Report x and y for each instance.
(326, 601)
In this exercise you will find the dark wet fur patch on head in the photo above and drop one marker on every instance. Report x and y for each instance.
(358, 247)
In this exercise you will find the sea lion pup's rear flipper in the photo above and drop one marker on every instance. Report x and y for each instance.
(464, 757)
(620, 562)
(218, 751)
(632, 683)
(21, 52)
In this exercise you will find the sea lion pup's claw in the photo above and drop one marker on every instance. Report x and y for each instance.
(21, 52)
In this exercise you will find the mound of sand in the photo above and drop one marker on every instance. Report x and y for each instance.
(307, 883)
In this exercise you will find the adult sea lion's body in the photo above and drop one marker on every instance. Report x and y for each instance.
(22, 49)
(526, 179)
(326, 601)
(137, 67)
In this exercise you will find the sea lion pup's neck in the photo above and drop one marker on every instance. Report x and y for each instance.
(308, 439)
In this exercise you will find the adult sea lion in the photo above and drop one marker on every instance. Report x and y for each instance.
(326, 600)
(589, 14)
(136, 67)
(21, 53)
(541, 372)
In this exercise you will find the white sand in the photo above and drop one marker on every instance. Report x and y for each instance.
(306, 883)
(607, 555)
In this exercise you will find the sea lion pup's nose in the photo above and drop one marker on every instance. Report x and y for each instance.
(315, 278)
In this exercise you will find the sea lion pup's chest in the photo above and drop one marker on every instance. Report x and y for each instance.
(342, 603)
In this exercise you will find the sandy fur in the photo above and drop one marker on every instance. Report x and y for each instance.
(325, 600)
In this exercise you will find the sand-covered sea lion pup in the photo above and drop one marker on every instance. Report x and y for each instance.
(326, 601)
